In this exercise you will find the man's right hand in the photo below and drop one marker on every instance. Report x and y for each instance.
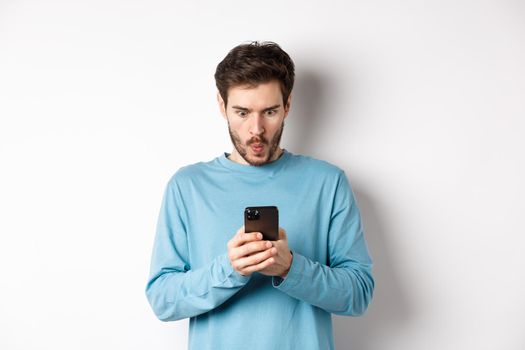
(248, 253)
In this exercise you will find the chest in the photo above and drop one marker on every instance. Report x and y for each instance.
(216, 213)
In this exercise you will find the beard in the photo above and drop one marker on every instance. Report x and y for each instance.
(270, 147)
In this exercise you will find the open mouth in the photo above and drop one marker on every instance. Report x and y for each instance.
(257, 147)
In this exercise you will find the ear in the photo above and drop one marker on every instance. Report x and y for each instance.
(222, 105)
(288, 105)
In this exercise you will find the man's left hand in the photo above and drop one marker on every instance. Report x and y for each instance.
(282, 257)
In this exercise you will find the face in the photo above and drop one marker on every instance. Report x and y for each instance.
(255, 118)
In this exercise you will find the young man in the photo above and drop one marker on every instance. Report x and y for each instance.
(239, 290)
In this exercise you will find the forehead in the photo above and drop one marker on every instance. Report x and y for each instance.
(261, 95)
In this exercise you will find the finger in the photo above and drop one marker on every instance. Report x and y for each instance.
(254, 247)
(248, 237)
(260, 266)
(240, 231)
(249, 248)
(255, 259)
(241, 238)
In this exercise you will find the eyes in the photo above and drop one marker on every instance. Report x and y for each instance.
(267, 113)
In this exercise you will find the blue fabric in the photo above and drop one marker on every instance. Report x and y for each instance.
(191, 276)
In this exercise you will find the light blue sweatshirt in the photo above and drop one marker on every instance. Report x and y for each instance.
(191, 275)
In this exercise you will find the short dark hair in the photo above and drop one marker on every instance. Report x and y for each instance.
(255, 63)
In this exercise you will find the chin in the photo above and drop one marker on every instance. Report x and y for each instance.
(258, 160)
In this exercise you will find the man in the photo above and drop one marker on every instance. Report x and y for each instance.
(239, 290)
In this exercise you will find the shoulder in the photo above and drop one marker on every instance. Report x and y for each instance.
(189, 173)
(317, 166)
(318, 172)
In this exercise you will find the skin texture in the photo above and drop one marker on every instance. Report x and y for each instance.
(248, 253)
(255, 115)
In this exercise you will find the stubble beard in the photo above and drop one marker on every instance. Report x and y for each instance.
(242, 149)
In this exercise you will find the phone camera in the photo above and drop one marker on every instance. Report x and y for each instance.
(252, 214)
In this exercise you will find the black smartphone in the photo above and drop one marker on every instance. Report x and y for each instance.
(264, 220)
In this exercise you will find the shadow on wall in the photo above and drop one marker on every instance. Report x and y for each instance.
(307, 107)
(389, 309)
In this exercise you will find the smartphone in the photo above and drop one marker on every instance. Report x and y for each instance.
(264, 220)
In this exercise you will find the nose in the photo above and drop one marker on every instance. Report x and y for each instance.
(257, 127)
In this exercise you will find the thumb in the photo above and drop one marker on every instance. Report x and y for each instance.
(282, 233)
(240, 231)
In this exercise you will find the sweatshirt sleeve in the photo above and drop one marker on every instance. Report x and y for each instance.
(175, 290)
(345, 286)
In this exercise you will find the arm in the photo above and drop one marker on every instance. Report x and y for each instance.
(175, 290)
(345, 287)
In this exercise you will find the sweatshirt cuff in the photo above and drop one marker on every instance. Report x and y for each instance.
(229, 273)
(294, 276)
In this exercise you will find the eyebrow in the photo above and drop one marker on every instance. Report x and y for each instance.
(248, 110)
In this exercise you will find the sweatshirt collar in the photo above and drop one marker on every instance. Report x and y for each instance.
(269, 168)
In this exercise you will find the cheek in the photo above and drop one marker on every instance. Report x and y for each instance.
(274, 127)
(238, 130)
(234, 124)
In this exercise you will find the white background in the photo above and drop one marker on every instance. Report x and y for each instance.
(420, 102)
